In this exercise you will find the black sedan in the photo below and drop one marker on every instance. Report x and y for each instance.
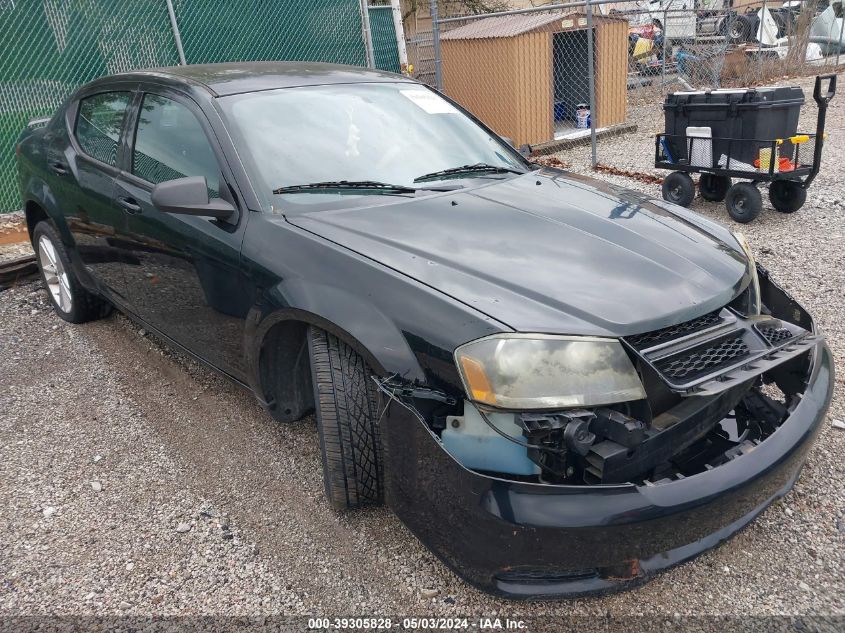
(559, 385)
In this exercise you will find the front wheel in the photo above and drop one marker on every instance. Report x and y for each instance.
(678, 188)
(787, 196)
(345, 398)
(744, 202)
(70, 300)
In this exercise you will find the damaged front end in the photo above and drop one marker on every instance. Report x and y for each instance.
(596, 490)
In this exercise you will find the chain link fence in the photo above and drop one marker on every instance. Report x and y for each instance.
(50, 47)
(561, 73)
(548, 76)
(685, 45)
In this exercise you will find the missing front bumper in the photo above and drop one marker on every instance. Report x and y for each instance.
(528, 540)
(531, 540)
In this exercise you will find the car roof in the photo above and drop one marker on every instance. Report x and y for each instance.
(236, 78)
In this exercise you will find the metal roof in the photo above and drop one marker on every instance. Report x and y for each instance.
(506, 25)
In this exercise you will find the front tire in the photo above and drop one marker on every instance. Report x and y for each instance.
(70, 300)
(345, 399)
(744, 202)
(787, 196)
(678, 188)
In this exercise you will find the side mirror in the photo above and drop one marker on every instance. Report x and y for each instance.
(189, 196)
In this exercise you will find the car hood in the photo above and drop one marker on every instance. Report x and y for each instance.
(549, 251)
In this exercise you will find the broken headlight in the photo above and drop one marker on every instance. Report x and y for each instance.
(748, 303)
(540, 371)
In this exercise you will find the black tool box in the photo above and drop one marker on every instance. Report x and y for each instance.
(754, 113)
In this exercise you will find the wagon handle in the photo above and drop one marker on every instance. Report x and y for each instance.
(822, 100)
(829, 93)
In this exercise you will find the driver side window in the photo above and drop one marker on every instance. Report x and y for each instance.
(98, 124)
(170, 143)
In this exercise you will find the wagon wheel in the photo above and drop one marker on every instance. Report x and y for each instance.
(713, 187)
(787, 196)
(744, 202)
(678, 188)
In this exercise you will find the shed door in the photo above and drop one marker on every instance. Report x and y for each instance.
(571, 74)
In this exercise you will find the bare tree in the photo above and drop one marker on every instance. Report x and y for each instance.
(481, 6)
(459, 7)
(797, 55)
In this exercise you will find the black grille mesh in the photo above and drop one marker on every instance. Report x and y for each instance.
(703, 359)
(775, 335)
(649, 339)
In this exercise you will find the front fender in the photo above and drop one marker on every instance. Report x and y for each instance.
(352, 319)
(399, 325)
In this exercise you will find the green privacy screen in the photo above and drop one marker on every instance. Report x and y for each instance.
(50, 47)
(237, 30)
(385, 52)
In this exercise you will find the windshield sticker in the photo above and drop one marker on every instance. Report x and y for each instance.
(429, 102)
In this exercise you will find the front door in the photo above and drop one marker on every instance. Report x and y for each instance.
(91, 158)
(184, 276)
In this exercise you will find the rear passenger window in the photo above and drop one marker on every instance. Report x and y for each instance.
(170, 143)
(98, 124)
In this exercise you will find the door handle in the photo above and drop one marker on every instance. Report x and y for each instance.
(57, 167)
(130, 205)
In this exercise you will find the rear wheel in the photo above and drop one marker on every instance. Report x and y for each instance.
(744, 202)
(345, 399)
(678, 188)
(787, 196)
(713, 188)
(70, 300)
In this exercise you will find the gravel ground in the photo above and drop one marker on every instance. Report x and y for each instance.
(134, 481)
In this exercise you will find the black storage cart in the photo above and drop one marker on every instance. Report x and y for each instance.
(753, 137)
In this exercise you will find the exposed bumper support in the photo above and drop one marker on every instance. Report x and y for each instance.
(527, 540)
(531, 540)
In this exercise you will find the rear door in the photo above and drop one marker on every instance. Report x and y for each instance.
(89, 168)
(183, 272)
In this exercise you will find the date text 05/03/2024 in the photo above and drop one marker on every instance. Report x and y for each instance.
(415, 623)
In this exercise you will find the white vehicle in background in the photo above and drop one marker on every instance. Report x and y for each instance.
(676, 18)
(689, 20)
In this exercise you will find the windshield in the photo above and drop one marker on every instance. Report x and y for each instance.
(392, 133)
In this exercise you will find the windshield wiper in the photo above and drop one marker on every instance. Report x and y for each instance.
(477, 168)
(346, 185)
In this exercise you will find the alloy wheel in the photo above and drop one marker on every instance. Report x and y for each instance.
(55, 275)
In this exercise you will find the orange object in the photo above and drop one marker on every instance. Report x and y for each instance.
(785, 164)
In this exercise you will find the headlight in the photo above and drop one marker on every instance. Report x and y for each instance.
(750, 299)
(538, 371)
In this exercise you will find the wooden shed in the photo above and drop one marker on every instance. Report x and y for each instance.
(524, 74)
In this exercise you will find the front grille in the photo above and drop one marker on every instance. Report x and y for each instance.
(775, 335)
(663, 335)
(703, 360)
